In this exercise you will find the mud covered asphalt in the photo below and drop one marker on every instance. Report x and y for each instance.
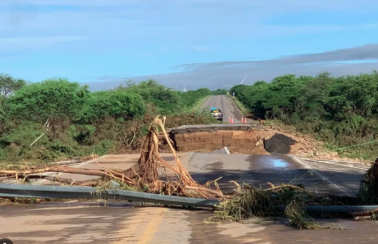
(83, 222)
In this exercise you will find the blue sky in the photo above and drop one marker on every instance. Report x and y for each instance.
(103, 43)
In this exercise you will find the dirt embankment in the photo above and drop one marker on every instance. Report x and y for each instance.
(260, 141)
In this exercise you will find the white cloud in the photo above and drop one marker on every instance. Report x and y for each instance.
(17, 43)
(217, 74)
(215, 78)
(367, 52)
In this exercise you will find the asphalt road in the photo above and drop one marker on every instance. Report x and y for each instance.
(258, 170)
(228, 107)
(91, 222)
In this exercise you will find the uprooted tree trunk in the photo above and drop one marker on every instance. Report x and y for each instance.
(148, 161)
(147, 167)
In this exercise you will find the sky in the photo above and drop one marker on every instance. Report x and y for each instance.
(192, 43)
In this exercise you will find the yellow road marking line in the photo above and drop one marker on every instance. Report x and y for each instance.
(152, 227)
(133, 226)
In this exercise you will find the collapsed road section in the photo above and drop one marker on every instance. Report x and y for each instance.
(239, 138)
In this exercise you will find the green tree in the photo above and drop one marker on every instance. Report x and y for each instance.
(220, 92)
(9, 84)
(116, 104)
(53, 97)
(167, 101)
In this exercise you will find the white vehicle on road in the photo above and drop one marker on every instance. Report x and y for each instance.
(217, 113)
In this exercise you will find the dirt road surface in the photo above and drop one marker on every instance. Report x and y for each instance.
(225, 103)
(90, 222)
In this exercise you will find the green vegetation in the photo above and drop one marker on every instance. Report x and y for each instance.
(220, 92)
(341, 111)
(82, 122)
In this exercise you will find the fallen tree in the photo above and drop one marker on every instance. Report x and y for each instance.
(143, 176)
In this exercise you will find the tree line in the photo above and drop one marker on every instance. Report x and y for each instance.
(82, 122)
(341, 111)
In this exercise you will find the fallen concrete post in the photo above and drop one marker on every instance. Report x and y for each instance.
(32, 191)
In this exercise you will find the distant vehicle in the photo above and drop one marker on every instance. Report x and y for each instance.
(217, 113)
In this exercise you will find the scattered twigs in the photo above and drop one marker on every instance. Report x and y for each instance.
(35, 173)
(14, 173)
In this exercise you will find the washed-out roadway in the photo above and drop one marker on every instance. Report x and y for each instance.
(91, 222)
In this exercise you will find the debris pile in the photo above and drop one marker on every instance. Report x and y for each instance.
(284, 200)
(298, 205)
(288, 201)
(143, 176)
